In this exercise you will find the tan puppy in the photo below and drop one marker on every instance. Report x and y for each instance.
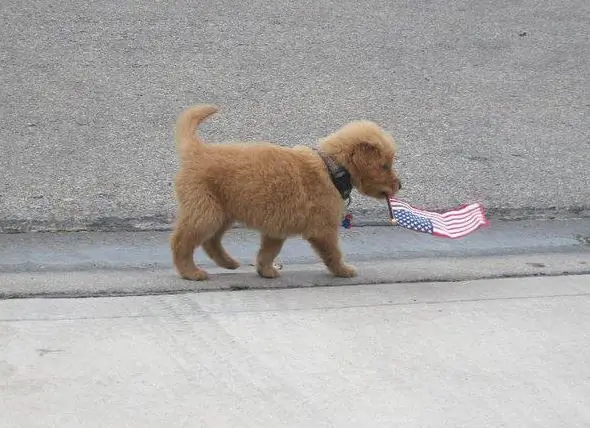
(280, 191)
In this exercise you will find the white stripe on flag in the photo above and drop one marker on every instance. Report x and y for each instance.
(457, 234)
(474, 224)
(464, 229)
(455, 224)
(465, 218)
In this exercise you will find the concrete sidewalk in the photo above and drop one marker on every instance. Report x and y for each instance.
(495, 353)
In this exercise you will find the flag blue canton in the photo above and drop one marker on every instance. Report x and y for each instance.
(410, 220)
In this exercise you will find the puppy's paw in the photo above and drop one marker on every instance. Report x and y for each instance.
(230, 264)
(195, 275)
(267, 271)
(345, 271)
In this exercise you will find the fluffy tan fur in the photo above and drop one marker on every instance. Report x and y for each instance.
(279, 191)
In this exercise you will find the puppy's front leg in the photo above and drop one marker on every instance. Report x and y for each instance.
(328, 249)
(269, 249)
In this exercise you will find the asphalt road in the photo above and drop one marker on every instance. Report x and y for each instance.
(495, 353)
(488, 100)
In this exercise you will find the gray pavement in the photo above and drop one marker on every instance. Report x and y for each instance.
(488, 100)
(42, 252)
(492, 353)
(103, 264)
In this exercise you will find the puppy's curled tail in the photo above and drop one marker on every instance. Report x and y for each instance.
(187, 122)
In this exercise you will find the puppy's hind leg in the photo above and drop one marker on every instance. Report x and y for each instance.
(269, 249)
(326, 245)
(189, 232)
(216, 252)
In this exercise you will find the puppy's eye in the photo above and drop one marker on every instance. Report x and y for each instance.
(387, 167)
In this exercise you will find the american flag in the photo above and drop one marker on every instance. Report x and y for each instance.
(455, 223)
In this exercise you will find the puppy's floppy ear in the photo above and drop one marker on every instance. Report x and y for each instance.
(363, 153)
(365, 148)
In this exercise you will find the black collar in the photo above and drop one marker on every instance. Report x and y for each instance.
(339, 175)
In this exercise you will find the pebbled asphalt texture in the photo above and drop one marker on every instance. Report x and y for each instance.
(488, 101)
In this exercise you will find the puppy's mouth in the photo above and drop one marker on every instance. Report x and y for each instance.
(388, 192)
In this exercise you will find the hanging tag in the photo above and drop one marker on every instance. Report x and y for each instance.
(347, 220)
